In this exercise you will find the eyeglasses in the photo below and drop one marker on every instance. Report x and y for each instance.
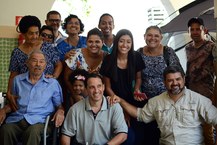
(73, 23)
(50, 36)
(54, 20)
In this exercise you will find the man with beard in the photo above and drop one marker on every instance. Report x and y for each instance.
(179, 112)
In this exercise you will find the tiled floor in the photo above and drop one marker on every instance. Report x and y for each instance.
(6, 47)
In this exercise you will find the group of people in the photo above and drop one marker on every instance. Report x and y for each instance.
(101, 90)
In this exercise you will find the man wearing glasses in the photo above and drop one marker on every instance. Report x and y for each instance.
(54, 20)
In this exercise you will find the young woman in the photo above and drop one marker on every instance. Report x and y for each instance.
(73, 26)
(46, 33)
(121, 71)
(89, 58)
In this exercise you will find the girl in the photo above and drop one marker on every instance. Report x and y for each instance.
(77, 79)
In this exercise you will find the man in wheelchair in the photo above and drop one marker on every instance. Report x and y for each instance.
(37, 97)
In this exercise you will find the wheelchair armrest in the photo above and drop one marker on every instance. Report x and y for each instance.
(45, 129)
(54, 134)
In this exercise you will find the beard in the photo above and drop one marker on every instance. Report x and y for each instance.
(175, 90)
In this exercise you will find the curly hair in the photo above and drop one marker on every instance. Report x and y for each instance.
(26, 22)
(67, 19)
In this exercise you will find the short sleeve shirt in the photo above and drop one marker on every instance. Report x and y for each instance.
(81, 123)
(200, 73)
(35, 101)
(64, 47)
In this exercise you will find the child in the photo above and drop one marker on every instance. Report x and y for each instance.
(77, 79)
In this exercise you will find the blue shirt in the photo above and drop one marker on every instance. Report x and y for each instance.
(64, 47)
(35, 101)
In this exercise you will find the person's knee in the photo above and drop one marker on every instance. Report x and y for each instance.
(7, 129)
(32, 134)
(35, 130)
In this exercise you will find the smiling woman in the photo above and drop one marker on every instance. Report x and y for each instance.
(29, 27)
(47, 34)
(125, 17)
(88, 58)
(73, 26)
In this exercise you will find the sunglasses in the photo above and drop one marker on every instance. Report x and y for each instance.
(50, 36)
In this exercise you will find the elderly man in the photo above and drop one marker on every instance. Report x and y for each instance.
(37, 97)
(179, 112)
(92, 121)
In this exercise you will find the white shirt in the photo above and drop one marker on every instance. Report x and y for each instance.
(180, 122)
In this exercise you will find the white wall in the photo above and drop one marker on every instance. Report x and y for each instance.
(11, 8)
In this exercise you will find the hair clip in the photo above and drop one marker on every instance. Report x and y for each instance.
(80, 77)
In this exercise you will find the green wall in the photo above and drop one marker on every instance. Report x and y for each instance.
(6, 47)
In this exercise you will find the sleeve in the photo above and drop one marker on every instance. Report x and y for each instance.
(13, 66)
(118, 122)
(104, 66)
(173, 58)
(56, 57)
(214, 52)
(57, 95)
(139, 63)
(69, 126)
(60, 47)
(146, 114)
(207, 110)
(14, 86)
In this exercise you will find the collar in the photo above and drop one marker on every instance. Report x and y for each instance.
(25, 76)
(105, 105)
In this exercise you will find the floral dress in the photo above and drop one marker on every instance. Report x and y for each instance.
(78, 62)
(19, 58)
(152, 74)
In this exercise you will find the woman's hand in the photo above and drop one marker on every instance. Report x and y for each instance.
(113, 99)
(12, 101)
(70, 54)
(138, 96)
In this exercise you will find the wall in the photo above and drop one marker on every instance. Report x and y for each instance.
(10, 8)
(8, 35)
(8, 41)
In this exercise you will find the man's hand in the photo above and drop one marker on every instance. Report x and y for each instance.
(12, 101)
(58, 117)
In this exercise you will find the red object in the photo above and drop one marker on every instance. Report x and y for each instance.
(17, 19)
(20, 39)
(142, 95)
